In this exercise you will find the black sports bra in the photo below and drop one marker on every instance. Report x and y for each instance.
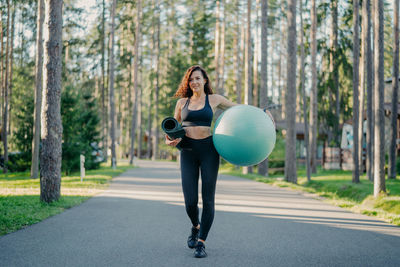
(201, 117)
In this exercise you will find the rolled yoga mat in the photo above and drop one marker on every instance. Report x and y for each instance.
(173, 128)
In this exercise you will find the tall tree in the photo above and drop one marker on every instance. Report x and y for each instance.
(379, 129)
(303, 93)
(222, 52)
(5, 90)
(361, 99)
(333, 67)
(263, 100)
(38, 90)
(248, 89)
(395, 97)
(290, 99)
(356, 103)
(366, 28)
(157, 89)
(104, 120)
(111, 85)
(217, 45)
(313, 94)
(135, 80)
(51, 126)
(240, 48)
(11, 66)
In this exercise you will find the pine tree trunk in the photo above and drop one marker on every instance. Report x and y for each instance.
(356, 104)
(38, 90)
(303, 92)
(135, 82)
(140, 121)
(290, 99)
(217, 43)
(1, 63)
(313, 94)
(240, 56)
(157, 91)
(11, 68)
(361, 100)
(221, 53)
(103, 85)
(379, 129)
(395, 97)
(51, 125)
(248, 100)
(5, 91)
(111, 87)
(255, 58)
(263, 101)
(369, 80)
(333, 67)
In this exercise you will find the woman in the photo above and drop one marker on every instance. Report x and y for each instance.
(195, 110)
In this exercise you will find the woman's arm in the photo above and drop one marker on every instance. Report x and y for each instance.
(223, 102)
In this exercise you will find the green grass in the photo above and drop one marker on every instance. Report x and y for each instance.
(20, 204)
(337, 188)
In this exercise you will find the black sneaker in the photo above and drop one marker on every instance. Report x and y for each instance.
(200, 251)
(192, 239)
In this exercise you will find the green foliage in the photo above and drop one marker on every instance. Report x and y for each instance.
(175, 72)
(80, 130)
(19, 161)
(198, 28)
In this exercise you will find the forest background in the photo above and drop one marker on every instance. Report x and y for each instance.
(225, 37)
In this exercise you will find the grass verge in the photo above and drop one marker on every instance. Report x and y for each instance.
(337, 188)
(20, 204)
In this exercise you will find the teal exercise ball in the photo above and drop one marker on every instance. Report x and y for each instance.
(244, 135)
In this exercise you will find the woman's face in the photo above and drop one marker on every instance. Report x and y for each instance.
(197, 82)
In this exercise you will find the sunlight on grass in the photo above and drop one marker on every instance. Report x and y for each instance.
(20, 204)
(337, 188)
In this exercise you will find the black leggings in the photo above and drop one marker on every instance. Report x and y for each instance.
(199, 154)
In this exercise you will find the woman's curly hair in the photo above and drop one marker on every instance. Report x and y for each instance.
(184, 89)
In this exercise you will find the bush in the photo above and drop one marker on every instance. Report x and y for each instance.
(276, 163)
(398, 165)
(18, 161)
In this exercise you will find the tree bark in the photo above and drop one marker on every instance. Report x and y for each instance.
(395, 97)
(156, 93)
(379, 129)
(222, 53)
(313, 95)
(51, 125)
(263, 100)
(333, 67)
(217, 43)
(11, 68)
(369, 79)
(111, 86)
(303, 92)
(248, 100)
(5, 92)
(103, 85)
(356, 104)
(256, 52)
(135, 81)
(290, 99)
(361, 99)
(38, 91)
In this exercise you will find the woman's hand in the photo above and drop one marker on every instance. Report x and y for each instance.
(172, 142)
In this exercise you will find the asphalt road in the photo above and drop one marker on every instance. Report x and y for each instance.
(141, 221)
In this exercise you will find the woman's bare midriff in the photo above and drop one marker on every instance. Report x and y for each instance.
(198, 132)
